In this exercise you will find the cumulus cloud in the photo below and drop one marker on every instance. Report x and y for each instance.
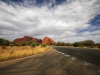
(61, 22)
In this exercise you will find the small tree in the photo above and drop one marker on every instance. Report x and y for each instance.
(89, 43)
(43, 45)
(33, 44)
(4, 42)
(76, 44)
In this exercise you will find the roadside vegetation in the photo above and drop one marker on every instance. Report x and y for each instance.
(9, 50)
(43, 45)
(86, 43)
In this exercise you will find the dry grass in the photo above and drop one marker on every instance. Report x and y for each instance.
(16, 51)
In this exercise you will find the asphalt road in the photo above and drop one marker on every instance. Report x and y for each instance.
(86, 54)
(50, 63)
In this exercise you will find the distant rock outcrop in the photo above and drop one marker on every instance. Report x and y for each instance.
(35, 39)
(18, 40)
(47, 40)
(26, 39)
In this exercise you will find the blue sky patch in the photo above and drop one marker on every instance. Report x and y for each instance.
(95, 21)
(36, 2)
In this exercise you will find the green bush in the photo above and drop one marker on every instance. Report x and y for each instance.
(33, 44)
(43, 45)
(11, 45)
(4, 42)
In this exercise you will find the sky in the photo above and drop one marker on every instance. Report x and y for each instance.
(61, 20)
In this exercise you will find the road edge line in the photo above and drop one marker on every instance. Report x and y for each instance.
(60, 52)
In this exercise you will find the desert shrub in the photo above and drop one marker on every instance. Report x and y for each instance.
(99, 46)
(11, 45)
(43, 45)
(67, 44)
(3, 47)
(23, 44)
(29, 43)
(4, 42)
(33, 44)
(37, 44)
(88, 42)
(76, 44)
(60, 44)
(81, 45)
(91, 46)
(17, 45)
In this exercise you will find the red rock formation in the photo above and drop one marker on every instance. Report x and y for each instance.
(27, 38)
(51, 41)
(18, 40)
(47, 40)
(35, 39)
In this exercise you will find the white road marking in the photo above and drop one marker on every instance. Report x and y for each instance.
(67, 55)
(73, 58)
(85, 63)
(99, 70)
(61, 53)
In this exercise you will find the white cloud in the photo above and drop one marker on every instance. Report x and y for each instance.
(61, 22)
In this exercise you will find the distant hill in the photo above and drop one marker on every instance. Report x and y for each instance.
(46, 40)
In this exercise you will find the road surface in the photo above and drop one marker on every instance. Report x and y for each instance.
(50, 63)
(86, 54)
